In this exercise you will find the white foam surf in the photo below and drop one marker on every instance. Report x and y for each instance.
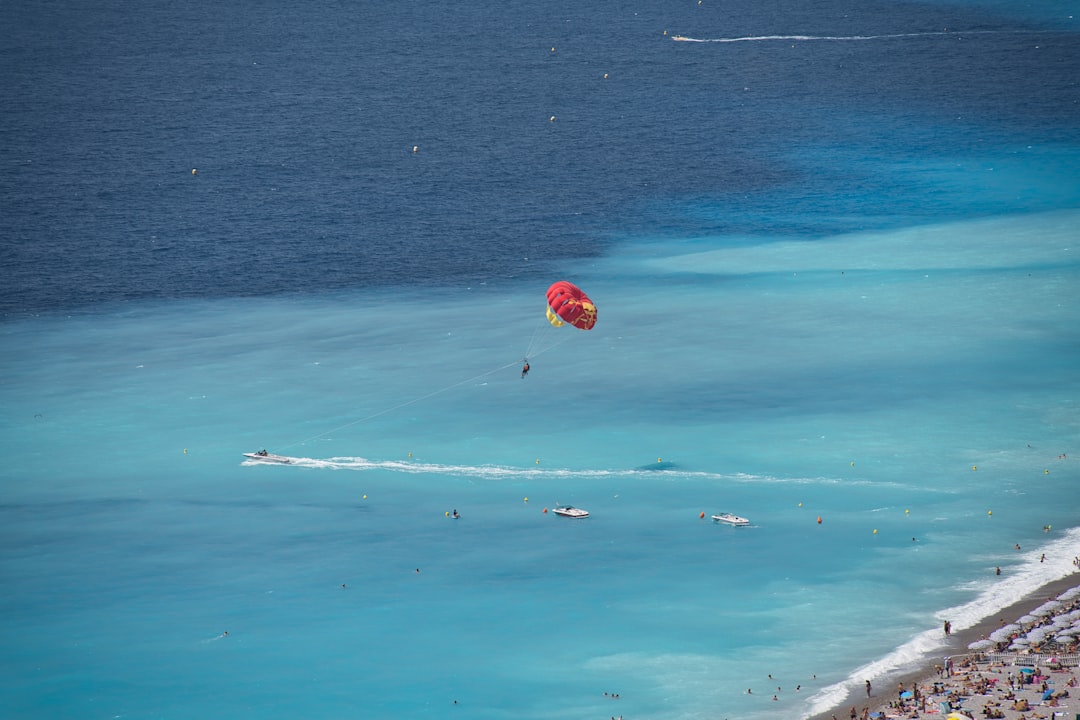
(994, 597)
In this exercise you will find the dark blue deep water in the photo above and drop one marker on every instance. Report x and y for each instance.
(301, 122)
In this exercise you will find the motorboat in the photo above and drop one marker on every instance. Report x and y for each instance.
(268, 457)
(571, 512)
(731, 519)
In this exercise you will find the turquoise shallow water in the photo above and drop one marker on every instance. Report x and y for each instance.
(136, 536)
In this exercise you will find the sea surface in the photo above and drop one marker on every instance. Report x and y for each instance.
(835, 251)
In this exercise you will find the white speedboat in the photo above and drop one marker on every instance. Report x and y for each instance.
(571, 512)
(268, 457)
(731, 519)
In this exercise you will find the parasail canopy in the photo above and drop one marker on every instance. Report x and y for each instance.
(568, 305)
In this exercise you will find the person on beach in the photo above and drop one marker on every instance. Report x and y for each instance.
(867, 692)
(948, 628)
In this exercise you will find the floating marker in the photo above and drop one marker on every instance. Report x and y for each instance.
(875, 531)
(907, 512)
(659, 460)
(194, 171)
(702, 515)
(545, 511)
(973, 467)
(818, 519)
(410, 454)
(1047, 471)
(448, 515)
(852, 463)
(526, 499)
(989, 512)
(800, 504)
(416, 148)
(185, 451)
(605, 76)
(537, 461)
(365, 497)
(552, 118)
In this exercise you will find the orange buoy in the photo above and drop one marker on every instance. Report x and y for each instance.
(701, 515)
(818, 519)
(545, 511)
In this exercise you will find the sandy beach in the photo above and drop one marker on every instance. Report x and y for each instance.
(981, 682)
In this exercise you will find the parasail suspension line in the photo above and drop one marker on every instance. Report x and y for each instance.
(413, 401)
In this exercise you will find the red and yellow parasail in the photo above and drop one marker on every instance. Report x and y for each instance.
(568, 305)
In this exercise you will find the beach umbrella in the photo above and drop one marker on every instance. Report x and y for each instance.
(1000, 635)
(1027, 670)
(1069, 594)
(982, 645)
(1061, 621)
(1028, 620)
(1047, 607)
(906, 694)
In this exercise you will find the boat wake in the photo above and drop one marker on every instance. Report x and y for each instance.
(836, 38)
(508, 472)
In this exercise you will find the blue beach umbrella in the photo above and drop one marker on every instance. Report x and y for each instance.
(1027, 671)
(907, 694)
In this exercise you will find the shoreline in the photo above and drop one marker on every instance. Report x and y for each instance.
(957, 644)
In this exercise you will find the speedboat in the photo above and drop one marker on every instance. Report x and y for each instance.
(571, 512)
(731, 519)
(268, 457)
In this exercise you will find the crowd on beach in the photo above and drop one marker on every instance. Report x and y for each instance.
(1026, 670)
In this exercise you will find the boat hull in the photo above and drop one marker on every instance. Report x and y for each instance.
(729, 519)
(269, 458)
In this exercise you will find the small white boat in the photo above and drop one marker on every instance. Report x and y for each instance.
(571, 512)
(268, 457)
(731, 519)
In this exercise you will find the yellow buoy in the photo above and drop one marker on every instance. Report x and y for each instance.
(852, 463)
(448, 515)
(1047, 471)
(185, 451)
(365, 497)
(800, 504)
(973, 467)
(875, 531)
(526, 499)
(537, 461)
(907, 512)
(410, 454)
(989, 512)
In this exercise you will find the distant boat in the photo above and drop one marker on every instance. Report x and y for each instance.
(571, 511)
(731, 519)
(269, 457)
